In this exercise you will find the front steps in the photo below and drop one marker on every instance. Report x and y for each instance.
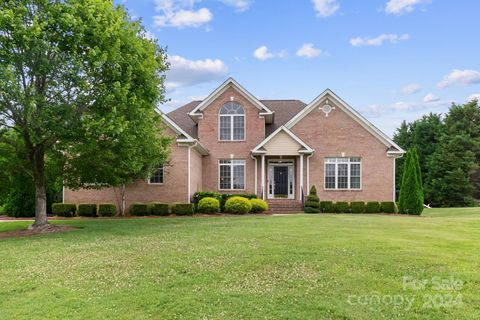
(285, 206)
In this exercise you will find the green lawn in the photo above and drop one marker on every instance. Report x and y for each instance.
(267, 267)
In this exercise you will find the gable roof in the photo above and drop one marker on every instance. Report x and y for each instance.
(230, 82)
(305, 148)
(389, 143)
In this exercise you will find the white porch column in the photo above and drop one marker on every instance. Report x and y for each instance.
(301, 177)
(263, 176)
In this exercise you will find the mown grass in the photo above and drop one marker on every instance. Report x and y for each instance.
(280, 267)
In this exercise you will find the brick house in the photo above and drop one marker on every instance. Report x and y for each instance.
(232, 142)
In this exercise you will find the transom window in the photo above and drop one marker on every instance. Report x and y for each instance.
(157, 176)
(231, 174)
(343, 173)
(232, 122)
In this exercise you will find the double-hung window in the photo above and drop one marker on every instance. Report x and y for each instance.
(343, 173)
(231, 174)
(157, 176)
(232, 122)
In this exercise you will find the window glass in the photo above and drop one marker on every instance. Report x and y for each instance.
(232, 122)
(343, 173)
(232, 174)
(157, 176)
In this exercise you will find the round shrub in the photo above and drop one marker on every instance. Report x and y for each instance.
(388, 207)
(64, 209)
(87, 210)
(357, 207)
(327, 207)
(342, 207)
(258, 205)
(107, 210)
(138, 209)
(372, 207)
(238, 205)
(312, 204)
(208, 205)
(159, 209)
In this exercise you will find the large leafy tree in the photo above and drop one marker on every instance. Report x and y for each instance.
(80, 81)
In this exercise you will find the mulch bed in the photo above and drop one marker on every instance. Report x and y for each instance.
(33, 232)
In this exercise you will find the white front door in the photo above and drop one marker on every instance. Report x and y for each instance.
(281, 179)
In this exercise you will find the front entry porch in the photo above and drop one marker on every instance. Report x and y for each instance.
(281, 179)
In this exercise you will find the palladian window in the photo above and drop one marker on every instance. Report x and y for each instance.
(232, 122)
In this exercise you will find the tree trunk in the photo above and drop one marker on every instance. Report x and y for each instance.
(38, 169)
(123, 200)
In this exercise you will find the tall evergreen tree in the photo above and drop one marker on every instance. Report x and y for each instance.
(411, 193)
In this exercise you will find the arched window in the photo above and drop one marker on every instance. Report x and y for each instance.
(232, 122)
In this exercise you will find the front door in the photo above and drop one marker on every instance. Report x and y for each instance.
(280, 175)
(281, 182)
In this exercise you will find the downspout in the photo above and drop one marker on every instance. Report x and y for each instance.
(189, 170)
(308, 171)
(256, 185)
(394, 180)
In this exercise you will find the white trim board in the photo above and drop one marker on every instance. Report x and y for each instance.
(230, 82)
(349, 111)
(288, 132)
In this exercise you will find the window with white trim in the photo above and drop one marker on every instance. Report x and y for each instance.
(231, 124)
(231, 174)
(343, 173)
(157, 176)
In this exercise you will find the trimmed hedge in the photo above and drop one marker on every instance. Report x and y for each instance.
(327, 207)
(208, 205)
(226, 196)
(357, 207)
(388, 207)
(312, 204)
(342, 207)
(159, 209)
(238, 205)
(258, 205)
(107, 210)
(373, 207)
(64, 209)
(139, 209)
(183, 209)
(87, 210)
(312, 210)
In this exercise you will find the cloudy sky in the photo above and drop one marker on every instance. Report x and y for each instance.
(389, 59)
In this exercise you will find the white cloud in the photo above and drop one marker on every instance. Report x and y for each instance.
(149, 35)
(262, 53)
(378, 41)
(325, 8)
(180, 14)
(184, 72)
(411, 88)
(376, 110)
(307, 50)
(399, 7)
(239, 5)
(460, 77)
(430, 97)
(473, 97)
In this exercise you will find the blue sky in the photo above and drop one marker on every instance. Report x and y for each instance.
(389, 59)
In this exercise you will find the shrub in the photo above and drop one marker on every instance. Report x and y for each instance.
(313, 201)
(411, 192)
(226, 196)
(238, 205)
(183, 209)
(258, 205)
(373, 207)
(197, 196)
(327, 207)
(342, 207)
(64, 209)
(312, 204)
(159, 209)
(387, 207)
(208, 205)
(357, 207)
(107, 210)
(138, 209)
(87, 210)
(312, 210)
